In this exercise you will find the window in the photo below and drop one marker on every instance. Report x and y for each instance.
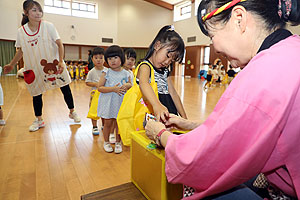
(206, 57)
(182, 11)
(71, 8)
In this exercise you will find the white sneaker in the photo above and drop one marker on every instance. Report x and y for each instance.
(95, 131)
(2, 122)
(36, 125)
(107, 147)
(112, 138)
(118, 147)
(75, 116)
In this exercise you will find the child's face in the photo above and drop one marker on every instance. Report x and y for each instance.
(129, 62)
(98, 60)
(162, 57)
(34, 14)
(114, 62)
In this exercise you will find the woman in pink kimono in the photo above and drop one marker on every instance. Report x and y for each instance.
(40, 46)
(255, 126)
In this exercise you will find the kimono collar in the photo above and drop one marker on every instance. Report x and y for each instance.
(274, 37)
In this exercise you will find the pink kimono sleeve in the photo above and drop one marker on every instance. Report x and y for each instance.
(231, 147)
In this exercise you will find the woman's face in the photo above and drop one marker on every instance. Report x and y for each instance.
(230, 41)
(34, 14)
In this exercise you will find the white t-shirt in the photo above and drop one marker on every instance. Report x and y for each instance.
(94, 76)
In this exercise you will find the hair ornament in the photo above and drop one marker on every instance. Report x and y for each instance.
(172, 28)
(221, 9)
(286, 5)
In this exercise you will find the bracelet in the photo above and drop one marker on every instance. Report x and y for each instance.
(157, 137)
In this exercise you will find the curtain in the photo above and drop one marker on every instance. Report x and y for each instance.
(7, 52)
(140, 54)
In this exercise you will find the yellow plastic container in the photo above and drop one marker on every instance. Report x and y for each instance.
(148, 170)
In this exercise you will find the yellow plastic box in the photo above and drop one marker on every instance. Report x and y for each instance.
(148, 170)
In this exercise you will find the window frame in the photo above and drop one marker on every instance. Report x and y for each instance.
(71, 11)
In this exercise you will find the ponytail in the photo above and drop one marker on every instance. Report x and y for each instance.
(24, 19)
(168, 37)
(157, 38)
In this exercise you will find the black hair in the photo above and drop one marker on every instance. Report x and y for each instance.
(27, 5)
(169, 38)
(97, 51)
(130, 53)
(113, 51)
(267, 10)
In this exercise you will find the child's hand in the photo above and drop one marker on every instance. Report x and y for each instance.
(161, 113)
(124, 88)
(119, 90)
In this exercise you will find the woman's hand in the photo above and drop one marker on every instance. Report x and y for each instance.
(153, 128)
(7, 68)
(161, 112)
(60, 67)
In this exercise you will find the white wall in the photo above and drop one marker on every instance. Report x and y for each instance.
(188, 28)
(10, 18)
(131, 23)
(140, 21)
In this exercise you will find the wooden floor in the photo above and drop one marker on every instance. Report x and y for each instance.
(63, 160)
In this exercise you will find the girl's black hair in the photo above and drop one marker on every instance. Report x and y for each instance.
(113, 51)
(266, 9)
(27, 5)
(130, 53)
(168, 38)
(97, 51)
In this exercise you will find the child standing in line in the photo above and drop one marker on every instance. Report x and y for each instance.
(93, 78)
(208, 78)
(222, 75)
(130, 58)
(167, 47)
(214, 75)
(113, 84)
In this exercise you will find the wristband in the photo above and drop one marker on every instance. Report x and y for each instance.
(157, 137)
(161, 132)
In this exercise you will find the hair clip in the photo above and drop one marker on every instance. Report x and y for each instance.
(172, 28)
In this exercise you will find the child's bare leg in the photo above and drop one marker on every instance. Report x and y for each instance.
(102, 120)
(107, 128)
(112, 137)
(118, 137)
(1, 113)
(94, 123)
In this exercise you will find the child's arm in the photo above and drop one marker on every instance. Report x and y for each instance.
(101, 88)
(127, 85)
(160, 111)
(176, 99)
(92, 84)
